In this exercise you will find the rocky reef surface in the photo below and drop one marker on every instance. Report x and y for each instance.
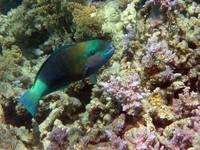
(146, 97)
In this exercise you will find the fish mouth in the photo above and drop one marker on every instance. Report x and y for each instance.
(110, 49)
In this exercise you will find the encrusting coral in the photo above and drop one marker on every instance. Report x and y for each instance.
(160, 110)
(146, 97)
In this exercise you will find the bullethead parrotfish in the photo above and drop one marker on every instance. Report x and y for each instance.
(6, 5)
(65, 65)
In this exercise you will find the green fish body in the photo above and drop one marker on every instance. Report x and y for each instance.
(67, 64)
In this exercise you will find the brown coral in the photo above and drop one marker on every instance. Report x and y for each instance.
(162, 113)
(10, 61)
(86, 22)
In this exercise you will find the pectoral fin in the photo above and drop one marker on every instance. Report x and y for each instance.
(81, 84)
(84, 76)
(93, 78)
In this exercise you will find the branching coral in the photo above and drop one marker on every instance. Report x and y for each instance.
(60, 108)
(116, 21)
(188, 135)
(142, 138)
(162, 3)
(157, 53)
(117, 142)
(187, 104)
(58, 139)
(100, 109)
(127, 91)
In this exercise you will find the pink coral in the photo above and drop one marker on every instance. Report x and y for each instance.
(58, 139)
(169, 4)
(156, 52)
(144, 139)
(184, 138)
(126, 91)
(166, 75)
(187, 104)
(129, 36)
(117, 142)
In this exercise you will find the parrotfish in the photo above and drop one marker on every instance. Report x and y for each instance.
(65, 65)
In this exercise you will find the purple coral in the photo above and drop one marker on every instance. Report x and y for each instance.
(184, 138)
(166, 75)
(58, 139)
(187, 104)
(144, 139)
(169, 4)
(156, 52)
(127, 91)
(117, 142)
(129, 36)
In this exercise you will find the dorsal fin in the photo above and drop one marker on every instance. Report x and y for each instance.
(63, 47)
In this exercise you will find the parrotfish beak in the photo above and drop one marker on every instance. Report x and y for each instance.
(101, 57)
(109, 50)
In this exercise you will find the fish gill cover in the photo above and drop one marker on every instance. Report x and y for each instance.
(145, 97)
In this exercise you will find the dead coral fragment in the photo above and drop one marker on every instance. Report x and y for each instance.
(13, 138)
(2, 115)
(62, 105)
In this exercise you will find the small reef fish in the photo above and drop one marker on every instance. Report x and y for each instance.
(6, 5)
(65, 65)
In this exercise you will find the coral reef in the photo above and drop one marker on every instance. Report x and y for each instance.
(146, 97)
(14, 138)
(58, 139)
(86, 22)
(117, 143)
(142, 139)
(187, 104)
(127, 91)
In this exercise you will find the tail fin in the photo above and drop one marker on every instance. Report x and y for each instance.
(30, 101)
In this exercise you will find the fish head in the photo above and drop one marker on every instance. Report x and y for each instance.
(99, 52)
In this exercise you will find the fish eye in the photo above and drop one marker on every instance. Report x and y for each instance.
(92, 52)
